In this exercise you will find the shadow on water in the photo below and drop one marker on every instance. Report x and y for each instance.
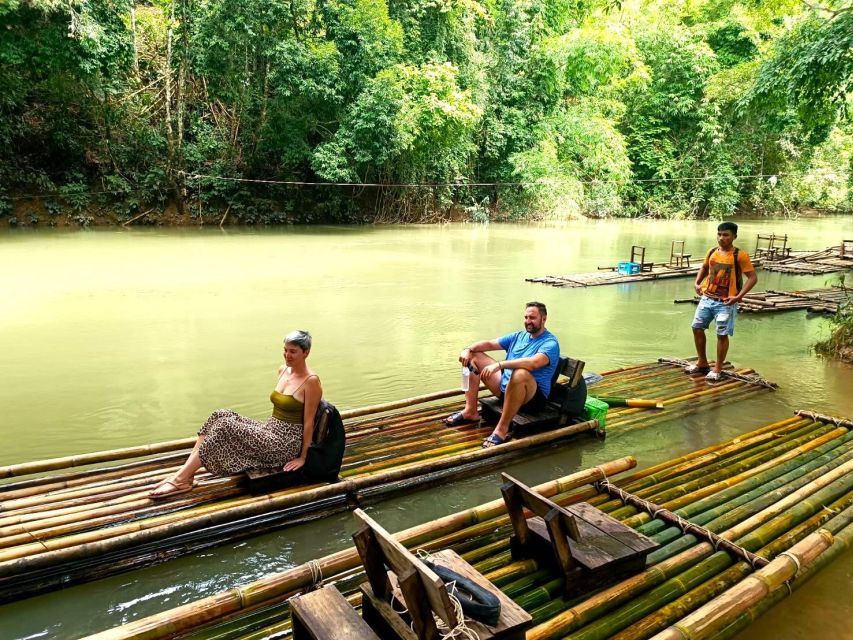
(135, 336)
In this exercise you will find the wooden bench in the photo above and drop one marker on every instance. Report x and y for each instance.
(555, 411)
(326, 615)
(424, 594)
(591, 549)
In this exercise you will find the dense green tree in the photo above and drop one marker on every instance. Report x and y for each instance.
(594, 107)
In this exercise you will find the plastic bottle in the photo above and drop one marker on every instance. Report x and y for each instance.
(466, 374)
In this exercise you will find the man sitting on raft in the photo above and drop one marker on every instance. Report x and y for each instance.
(523, 380)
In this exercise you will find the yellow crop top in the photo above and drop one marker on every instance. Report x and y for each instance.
(287, 408)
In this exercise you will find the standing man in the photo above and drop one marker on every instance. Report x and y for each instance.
(523, 380)
(720, 285)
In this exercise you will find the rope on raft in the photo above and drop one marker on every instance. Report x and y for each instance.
(819, 417)
(687, 527)
(749, 379)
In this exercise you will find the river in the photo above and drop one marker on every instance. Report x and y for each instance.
(114, 337)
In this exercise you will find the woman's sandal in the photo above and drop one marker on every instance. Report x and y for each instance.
(178, 488)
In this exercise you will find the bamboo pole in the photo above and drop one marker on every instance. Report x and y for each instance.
(639, 403)
(712, 617)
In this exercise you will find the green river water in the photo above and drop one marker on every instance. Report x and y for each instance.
(111, 338)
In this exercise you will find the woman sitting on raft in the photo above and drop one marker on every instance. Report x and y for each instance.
(229, 443)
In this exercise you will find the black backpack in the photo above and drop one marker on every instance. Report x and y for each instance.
(323, 462)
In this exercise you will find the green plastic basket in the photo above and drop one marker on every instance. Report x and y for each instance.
(595, 409)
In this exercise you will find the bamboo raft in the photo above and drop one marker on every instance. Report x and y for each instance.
(740, 525)
(63, 526)
(829, 260)
(609, 275)
(827, 300)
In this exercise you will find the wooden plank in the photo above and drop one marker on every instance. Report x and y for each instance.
(612, 527)
(371, 558)
(382, 617)
(593, 553)
(326, 615)
(416, 601)
(560, 529)
(513, 621)
(402, 562)
(537, 503)
(515, 511)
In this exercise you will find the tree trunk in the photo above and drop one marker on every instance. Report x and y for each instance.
(133, 33)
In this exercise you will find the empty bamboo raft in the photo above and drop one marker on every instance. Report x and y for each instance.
(609, 275)
(827, 300)
(71, 526)
(772, 492)
(830, 260)
(602, 277)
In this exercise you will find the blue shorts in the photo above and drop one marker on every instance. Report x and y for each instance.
(722, 314)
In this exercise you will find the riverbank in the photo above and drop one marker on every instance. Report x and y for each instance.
(40, 213)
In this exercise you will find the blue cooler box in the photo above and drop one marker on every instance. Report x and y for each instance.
(628, 268)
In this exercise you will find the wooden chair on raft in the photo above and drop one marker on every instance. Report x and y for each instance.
(421, 593)
(565, 401)
(638, 256)
(771, 246)
(325, 614)
(591, 549)
(677, 257)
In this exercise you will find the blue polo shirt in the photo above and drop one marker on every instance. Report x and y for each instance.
(521, 345)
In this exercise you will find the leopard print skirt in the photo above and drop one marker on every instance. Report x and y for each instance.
(235, 443)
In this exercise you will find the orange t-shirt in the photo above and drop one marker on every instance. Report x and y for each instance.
(721, 282)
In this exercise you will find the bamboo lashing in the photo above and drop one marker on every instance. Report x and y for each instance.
(302, 577)
(839, 422)
(658, 512)
(751, 379)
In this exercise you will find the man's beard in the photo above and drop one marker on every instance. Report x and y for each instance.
(532, 328)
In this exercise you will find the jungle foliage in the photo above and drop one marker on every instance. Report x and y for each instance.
(553, 107)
